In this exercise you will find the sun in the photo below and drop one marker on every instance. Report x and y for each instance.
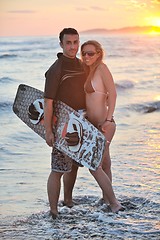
(153, 21)
(156, 22)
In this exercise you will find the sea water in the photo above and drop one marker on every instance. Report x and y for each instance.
(134, 61)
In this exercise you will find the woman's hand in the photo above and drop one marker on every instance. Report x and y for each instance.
(106, 125)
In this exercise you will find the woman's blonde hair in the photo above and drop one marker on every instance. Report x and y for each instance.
(99, 50)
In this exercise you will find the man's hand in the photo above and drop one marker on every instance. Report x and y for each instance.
(50, 139)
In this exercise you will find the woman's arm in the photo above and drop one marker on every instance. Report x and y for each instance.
(110, 88)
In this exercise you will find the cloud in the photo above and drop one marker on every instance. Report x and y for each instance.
(97, 8)
(156, 1)
(81, 9)
(22, 11)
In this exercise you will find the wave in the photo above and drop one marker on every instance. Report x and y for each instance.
(89, 220)
(22, 41)
(122, 85)
(5, 80)
(5, 106)
(148, 107)
(7, 55)
(28, 44)
(27, 49)
(115, 56)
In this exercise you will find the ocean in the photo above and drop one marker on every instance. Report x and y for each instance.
(134, 61)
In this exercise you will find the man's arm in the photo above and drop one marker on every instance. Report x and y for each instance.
(48, 121)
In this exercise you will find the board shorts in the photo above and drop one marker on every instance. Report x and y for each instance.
(61, 162)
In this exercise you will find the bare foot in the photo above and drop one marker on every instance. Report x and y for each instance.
(115, 208)
(53, 214)
(68, 204)
(100, 202)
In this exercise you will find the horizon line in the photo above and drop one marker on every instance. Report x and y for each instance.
(118, 30)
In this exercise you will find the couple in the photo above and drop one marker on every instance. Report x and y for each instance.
(85, 84)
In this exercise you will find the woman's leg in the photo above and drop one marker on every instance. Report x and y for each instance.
(108, 131)
(106, 186)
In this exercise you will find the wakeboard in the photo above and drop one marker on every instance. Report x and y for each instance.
(75, 136)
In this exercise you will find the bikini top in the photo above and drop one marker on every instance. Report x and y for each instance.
(89, 88)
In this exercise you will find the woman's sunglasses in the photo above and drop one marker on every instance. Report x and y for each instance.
(90, 54)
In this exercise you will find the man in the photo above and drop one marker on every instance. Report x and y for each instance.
(64, 81)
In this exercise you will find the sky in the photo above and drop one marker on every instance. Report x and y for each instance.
(49, 17)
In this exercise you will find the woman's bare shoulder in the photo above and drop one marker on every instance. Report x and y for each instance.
(102, 67)
(104, 72)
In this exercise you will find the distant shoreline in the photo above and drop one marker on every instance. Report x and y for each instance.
(125, 30)
(155, 30)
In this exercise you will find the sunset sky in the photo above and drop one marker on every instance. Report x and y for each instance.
(48, 17)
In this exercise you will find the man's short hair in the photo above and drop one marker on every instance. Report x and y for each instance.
(71, 31)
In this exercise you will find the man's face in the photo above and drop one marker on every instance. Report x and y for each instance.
(70, 45)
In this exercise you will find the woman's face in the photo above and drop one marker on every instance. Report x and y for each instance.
(89, 54)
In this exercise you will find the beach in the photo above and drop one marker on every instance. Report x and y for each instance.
(135, 150)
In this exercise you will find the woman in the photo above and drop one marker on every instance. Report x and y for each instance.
(100, 104)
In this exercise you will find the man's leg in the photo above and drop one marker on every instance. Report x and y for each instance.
(69, 181)
(53, 187)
